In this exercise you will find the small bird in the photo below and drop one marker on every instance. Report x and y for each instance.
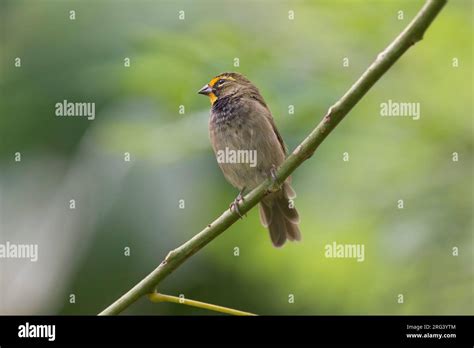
(241, 125)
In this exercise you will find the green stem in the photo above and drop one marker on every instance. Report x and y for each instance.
(408, 37)
(157, 297)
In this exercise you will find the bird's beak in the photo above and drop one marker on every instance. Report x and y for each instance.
(206, 90)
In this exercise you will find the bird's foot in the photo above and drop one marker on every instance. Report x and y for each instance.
(275, 185)
(234, 206)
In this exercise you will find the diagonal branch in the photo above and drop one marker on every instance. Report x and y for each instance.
(413, 33)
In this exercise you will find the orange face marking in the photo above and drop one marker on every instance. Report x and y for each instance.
(220, 77)
(214, 80)
(211, 84)
(212, 98)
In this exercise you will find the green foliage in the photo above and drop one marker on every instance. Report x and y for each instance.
(408, 251)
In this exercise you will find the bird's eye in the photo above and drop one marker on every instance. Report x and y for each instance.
(220, 82)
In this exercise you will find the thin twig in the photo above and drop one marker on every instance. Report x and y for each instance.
(413, 33)
(157, 297)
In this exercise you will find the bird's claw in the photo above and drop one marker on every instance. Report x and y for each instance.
(275, 185)
(234, 206)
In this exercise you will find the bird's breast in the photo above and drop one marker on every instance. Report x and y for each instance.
(236, 143)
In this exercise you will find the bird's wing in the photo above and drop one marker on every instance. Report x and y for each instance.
(268, 115)
(275, 129)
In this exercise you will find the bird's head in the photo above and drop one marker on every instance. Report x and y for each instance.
(225, 84)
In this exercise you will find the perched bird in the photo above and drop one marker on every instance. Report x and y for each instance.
(249, 148)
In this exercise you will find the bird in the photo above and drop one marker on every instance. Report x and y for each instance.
(241, 124)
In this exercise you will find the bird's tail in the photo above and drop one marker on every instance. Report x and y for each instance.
(279, 215)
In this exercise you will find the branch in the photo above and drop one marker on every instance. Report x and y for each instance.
(413, 33)
(157, 297)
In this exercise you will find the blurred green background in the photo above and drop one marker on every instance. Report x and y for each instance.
(135, 204)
